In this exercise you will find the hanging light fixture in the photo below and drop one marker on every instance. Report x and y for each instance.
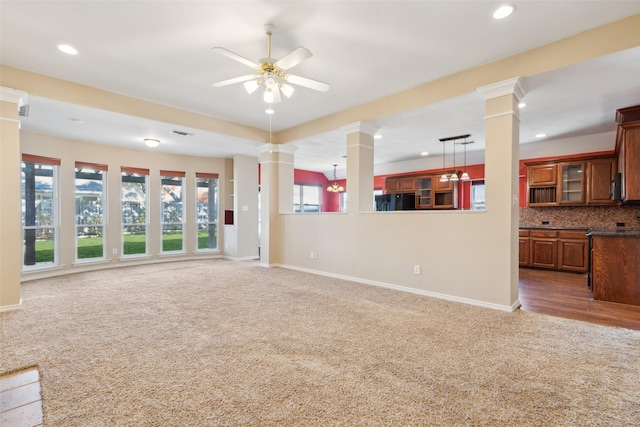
(444, 177)
(335, 188)
(465, 176)
(454, 174)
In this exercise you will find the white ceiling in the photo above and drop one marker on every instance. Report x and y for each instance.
(160, 51)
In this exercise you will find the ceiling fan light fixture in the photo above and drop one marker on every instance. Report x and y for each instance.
(251, 86)
(270, 81)
(268, 96)
(287, 90)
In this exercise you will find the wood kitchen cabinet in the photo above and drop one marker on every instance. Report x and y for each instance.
(628, 151)
(544, 249)
(554, 249)
(628, 148)
(572, 183)
(542, 184)
(615, 270)
(394, 185)
(600, 173)
(573, 251)
(524, 248)
(430, 192)
(577, 182)
(424, 194)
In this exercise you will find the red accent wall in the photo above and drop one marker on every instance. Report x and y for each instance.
(330, 201)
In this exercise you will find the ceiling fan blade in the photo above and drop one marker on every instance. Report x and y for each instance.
(293, 58)
(305, 82)
(235, 80)
(277, 98)
(236, 57)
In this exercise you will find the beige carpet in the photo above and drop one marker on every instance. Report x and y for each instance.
(208, 343)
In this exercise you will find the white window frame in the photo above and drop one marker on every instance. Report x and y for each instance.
(182, 222)
(103, 225)
(145, 224)
(212, 219)
(302, 203)
(55, 223)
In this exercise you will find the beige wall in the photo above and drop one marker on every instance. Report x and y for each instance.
(458, 252)
(10, 230)
(70, 151)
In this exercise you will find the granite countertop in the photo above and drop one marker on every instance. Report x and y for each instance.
(619, 231)
(554, 227)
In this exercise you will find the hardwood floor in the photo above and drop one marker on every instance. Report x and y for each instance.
(20, 402)
(567, 295)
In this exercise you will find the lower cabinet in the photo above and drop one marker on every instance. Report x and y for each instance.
(563, 250)
(544, 249)
(524, 249)
(573, 251)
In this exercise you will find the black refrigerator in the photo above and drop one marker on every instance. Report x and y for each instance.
(396, 202)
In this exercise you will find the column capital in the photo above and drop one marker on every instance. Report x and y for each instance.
(505, 87)
(12, 95)
(362, 127)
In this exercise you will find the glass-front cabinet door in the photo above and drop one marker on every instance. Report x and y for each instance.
(425, 193)
(572, 183)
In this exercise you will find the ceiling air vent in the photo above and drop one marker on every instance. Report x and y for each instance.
(24, 110)
(181, 133)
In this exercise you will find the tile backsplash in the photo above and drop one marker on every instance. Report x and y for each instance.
(587, 216)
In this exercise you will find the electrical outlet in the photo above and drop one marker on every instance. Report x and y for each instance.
(416, 269)
(313, 255)
(114, 251)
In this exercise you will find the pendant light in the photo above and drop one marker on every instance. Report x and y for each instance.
(465, 176)
(454, 175)
(444, 177)
(335, 188)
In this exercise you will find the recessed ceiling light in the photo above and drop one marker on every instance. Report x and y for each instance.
(269, 111)
(424, 153)
(503, 11)
(540, 135)
(522, 105)
(377, 136)
(70, 50)
(152, 143)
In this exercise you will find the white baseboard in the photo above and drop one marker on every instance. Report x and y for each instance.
(446, 297)
(11, 307)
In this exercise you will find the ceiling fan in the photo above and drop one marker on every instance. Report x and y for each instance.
(272, 72)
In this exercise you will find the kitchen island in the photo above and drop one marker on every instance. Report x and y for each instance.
(615, 265)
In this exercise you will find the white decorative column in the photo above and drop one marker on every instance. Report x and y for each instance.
(360, 149)
(276, 197)
(502, 156)
(10, 215)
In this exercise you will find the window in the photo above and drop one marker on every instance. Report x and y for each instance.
(171, 192)
(477, 196)
(207, 211)
(90, 204)
(134, 200)
(307, 198)
(39, 210)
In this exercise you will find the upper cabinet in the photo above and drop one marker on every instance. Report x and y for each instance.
(395, 185)
(430, 192)
(572, 183)
(584, 181)
(600, 174)
(628, 150)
